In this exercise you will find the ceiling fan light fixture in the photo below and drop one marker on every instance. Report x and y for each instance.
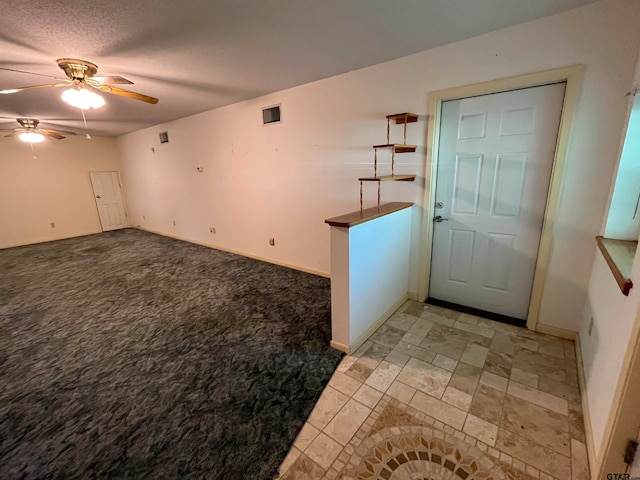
(82, 98)
(31, 137)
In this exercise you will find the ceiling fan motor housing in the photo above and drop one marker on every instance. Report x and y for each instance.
(77, 69)
(28, 122)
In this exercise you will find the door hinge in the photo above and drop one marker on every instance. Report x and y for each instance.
(630, 452)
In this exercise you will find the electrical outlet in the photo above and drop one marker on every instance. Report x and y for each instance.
(590, 326)
(272, 241)
(174, 223)
(53, 225)
(144, 217)
(212, 230)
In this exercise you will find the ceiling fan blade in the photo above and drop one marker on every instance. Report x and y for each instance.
(127, 93)
(15, 90)
(28, 73)
(50, 133)
(13, 134)
(112, 80)
(47, 131)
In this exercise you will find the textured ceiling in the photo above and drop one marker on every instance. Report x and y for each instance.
(196, 55)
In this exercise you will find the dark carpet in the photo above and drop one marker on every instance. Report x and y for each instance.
(130, 355)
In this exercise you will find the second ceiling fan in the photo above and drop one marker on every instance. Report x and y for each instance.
(29, 132)
(84, 83)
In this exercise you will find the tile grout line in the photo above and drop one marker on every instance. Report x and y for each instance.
(386, 399)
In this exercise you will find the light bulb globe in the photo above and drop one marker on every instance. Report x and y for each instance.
(82, 98)
(31, 137)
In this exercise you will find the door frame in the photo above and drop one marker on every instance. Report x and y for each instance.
(122, 195)
(623, 421)
(573, 76)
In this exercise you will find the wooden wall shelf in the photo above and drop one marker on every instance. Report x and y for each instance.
(619, 255)
(402, 118)
(389, 178)
(399, 119)
(398, 147)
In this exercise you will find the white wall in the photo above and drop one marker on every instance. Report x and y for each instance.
(340, 295)
(613, 315)
(55, 187)
(635, 467)
(603, 351)
(370, 275)
(283, 180)
(378, 269)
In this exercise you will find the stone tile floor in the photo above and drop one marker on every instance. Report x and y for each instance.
(436, 394)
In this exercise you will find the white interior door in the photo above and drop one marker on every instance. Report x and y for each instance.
(106, 189)
(494, 166)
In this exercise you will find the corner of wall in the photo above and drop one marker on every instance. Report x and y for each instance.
(584, 401)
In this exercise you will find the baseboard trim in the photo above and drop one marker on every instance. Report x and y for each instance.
(236, 252)
(51, 239)
(378, 323)
(341, 347)
(556, 331)
(584, 400)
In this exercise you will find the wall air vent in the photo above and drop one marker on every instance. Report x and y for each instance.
(164, 137)
(271, 115)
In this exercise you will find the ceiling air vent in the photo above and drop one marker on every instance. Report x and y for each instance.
(271, 115)
(164, 137)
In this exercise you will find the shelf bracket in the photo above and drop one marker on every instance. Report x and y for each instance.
(375, 162)
(393, 159)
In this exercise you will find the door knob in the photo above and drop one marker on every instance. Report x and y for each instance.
(97, 196)
(439, 219)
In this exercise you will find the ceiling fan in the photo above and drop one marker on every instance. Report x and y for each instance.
(83, 85)
(29, 132)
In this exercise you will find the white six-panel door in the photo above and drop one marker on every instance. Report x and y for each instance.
(494, 166)
(106, 189)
